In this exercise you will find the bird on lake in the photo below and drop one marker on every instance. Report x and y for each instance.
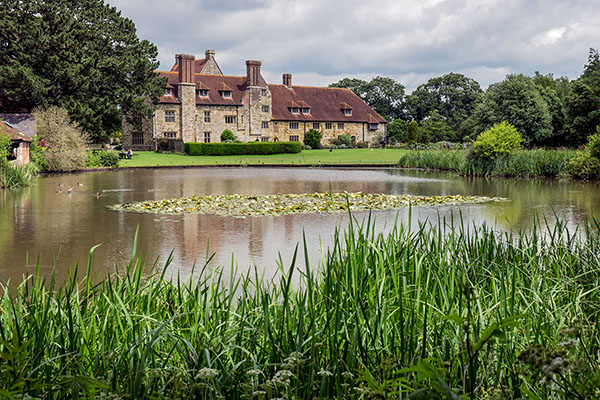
(79, 184)
(97, 194)
(69, 190)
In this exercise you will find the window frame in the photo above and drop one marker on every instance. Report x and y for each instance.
(265, 108)
(295, 110)
(206, 137)
(230, 119)
(265, 125)
(328, 126)
(348, 112)
(306, 110)
(137, 138)
(207, 116)
(170, 135)
(317, 126)
(293, 126)
(227, 94)
(294, 138)
(202, 92)
(169, 115)
(340, 126)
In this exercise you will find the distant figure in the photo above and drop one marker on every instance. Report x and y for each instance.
(129, 154)
(416, 146)
(122, 154)
(464, 146)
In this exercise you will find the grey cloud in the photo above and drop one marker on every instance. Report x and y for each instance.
(321, 41)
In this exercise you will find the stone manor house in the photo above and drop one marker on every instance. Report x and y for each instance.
(200, 102)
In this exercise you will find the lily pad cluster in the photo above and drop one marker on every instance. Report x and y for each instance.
(241, 205)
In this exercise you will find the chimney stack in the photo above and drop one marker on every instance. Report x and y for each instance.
(287, 80)
(209, 54)
(253, 72)
(187, 67)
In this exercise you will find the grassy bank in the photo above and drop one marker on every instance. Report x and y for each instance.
(522, 164)
(433, 312)
(12, 177)
(306, 157)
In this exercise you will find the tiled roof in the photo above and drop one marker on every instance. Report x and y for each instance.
(14, 133)
(213, 83)
(24, 123)
(324, 103)
(198, 67)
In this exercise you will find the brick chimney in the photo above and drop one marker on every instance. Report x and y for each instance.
(253, 72)
(287, 80)
(209, 54)
(187, 67)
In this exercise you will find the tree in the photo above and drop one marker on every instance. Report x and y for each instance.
(80, 55)
(397, 131)
(313, 138)
(517, 101)
(453, 96)
(435, 129)
(412, 134)
(65, 142)
(583, 103)
(383, 94)
(227, 136)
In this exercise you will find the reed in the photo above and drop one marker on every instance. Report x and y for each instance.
(13, 177)
(447, 310)
(521, 164)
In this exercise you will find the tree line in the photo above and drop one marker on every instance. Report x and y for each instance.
(547, 111)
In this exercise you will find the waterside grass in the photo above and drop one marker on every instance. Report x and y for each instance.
(444, 311)
(521, 164)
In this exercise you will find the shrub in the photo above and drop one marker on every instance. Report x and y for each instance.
(584, 166)
(65, 142)
(227, 136)
(345, 140)
(594, 144)
(103, 158)
(36, 154)
(252, 148)
(412, 133)
(312, 139)
(5, 147)
(362, 145)
(500, 139)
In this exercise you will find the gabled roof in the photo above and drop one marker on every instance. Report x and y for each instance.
(14, 133)
(24, 123)
(199, 64)
(213, 83)
(324, 104)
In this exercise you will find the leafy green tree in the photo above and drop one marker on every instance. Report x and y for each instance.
(435, 129)
(80, 55)
(5, 146)
(500, 139)
(227, 136)
(517, 101)
(383, 94)
(313, 138)
(453, 96)
(583, 103)
(397, 130)
(412, 134)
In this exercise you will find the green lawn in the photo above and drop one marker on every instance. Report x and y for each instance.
(306, 157)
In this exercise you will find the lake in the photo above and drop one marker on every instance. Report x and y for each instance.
(45, 221)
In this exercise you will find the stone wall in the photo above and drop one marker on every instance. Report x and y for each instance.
(281, 131)
(146, 129)
(187, 96)
(254, 100)
(217, 122)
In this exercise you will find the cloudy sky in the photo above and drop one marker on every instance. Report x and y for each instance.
(322, 41)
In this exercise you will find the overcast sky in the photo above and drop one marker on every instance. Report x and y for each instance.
(320, 42)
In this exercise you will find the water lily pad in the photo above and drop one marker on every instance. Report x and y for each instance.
(282, 204)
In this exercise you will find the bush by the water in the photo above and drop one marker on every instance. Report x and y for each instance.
(103, 158)
(312, 138)
(251, 148)
(431, 312)
(65, 142)
(500, 139)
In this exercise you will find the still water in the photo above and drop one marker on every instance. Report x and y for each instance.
(45, 222)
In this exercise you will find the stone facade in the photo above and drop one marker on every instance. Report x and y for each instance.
(200, 103)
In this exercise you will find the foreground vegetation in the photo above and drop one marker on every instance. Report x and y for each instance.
(455, 312)
(306, 157)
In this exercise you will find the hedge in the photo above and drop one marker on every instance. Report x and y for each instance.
(236, 149)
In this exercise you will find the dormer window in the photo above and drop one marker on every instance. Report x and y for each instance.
(203, 93)
(226, 94)
(348, 112)
(167, 92)
(305, 110)
(346, 109)
(295, 110)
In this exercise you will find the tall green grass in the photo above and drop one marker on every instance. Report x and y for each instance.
(13, 177)
(521, 164)
(447, 310)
